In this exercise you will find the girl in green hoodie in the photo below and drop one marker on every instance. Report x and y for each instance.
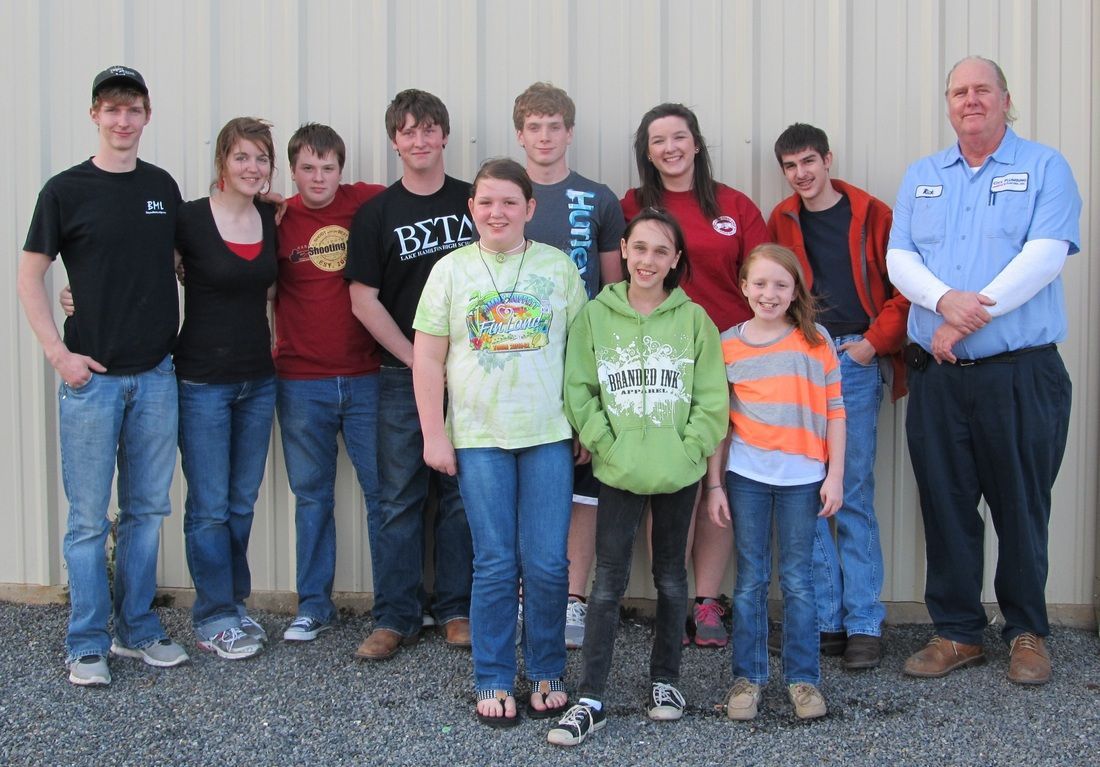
(645, 388)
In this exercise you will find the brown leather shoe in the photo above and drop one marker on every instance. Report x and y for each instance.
(942, 656)
(383, 644)
(456, 632)
(862, 651)
(1028, 660)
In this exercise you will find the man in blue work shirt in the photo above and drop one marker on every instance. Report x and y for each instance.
(981, 232)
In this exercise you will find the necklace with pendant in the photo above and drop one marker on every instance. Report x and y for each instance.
(501, 256)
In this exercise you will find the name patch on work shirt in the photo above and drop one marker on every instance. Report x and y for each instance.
(1010, 182)
(926, 190)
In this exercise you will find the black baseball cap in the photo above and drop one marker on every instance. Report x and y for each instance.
(119, 75)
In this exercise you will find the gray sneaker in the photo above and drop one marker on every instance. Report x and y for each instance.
(250, 626)
(807, 700)
(575, 613)
(91, 670)
(162, 654)
(232, 644)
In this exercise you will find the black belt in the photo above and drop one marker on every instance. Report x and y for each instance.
(1004, 356)
(917, 358)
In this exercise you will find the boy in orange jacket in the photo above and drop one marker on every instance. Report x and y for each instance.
(839, 233)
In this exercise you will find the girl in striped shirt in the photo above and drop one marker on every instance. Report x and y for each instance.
(785, 462)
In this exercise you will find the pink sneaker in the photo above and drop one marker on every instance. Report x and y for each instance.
(709, 629)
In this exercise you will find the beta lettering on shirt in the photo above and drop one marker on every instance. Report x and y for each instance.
(433, 235)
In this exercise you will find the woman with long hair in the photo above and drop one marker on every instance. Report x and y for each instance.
(721, 225)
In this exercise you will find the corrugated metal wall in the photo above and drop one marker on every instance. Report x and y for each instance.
(869, 72)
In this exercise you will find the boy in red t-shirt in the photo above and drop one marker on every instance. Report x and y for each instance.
(326, 361)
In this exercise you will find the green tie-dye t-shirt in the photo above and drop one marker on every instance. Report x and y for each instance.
(507, 326)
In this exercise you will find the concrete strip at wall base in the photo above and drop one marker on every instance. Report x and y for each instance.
(285, 603)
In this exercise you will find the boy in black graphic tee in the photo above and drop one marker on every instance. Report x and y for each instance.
(395, 240)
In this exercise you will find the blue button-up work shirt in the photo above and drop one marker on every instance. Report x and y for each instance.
(967, 226)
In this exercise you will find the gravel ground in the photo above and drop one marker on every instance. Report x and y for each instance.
(298, 704)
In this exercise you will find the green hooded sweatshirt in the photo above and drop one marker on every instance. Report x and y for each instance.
(647, 395)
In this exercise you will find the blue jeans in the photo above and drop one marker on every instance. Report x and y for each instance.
(311, 414)
(848, 587)
(396, 522)
(224, 434)
(131, 418)
(519, 503)
(794, 508)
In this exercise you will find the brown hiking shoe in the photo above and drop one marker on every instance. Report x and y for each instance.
(942, 656)
(1028, 660)
(383, 644)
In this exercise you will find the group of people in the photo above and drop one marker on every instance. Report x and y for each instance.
(557, 363)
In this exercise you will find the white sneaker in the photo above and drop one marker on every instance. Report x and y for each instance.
(575, 613)
(91, 670)
(162, 654)
(231, 644)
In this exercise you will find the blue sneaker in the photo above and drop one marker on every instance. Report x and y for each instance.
(305, 629)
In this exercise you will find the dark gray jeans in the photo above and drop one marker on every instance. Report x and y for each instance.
(620, 513)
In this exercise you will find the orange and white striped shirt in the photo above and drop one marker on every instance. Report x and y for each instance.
(783, 393)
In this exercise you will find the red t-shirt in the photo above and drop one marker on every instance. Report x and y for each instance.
(716, 248)
(316, 334)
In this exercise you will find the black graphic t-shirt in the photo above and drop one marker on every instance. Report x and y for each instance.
(115, 233)
(397, 237)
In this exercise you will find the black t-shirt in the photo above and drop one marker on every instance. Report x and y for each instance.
(397, 237)
(825, 233)
(115, 233)
(226, 337)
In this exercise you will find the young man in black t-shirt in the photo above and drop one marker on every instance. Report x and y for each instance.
(395, 240)
(112, 218)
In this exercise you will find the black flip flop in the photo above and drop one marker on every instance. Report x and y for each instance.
(497, 722)
(544, 688)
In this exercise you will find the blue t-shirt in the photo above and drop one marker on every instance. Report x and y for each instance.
(967, 226)
(580, 217)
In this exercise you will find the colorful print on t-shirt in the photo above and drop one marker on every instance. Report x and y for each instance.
(517, 322)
